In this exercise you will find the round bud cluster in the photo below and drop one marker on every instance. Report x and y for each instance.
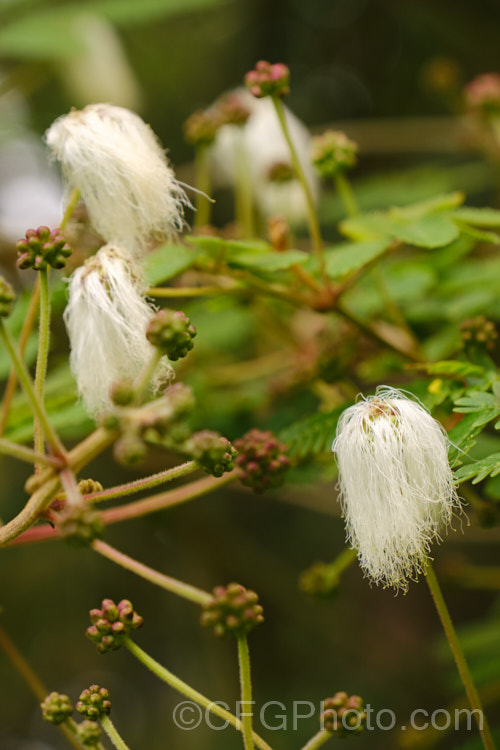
(201, 127)
(280, 171)
(94, 702)
(56, 708)
(172, 332)
(79, 524)
(478, 333)
(268, 80)
(42, 248)
(89, 733)
(482, 94)
(232, 109)
(320, 580)
(111, 624)
(343, 714)
(122, 393)
(261, 460)
(333, 152)
(130, 449)
(232, 609)
(7, 298)
(212, 451)
(88, 486)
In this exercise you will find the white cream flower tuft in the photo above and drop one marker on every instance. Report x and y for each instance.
(106, 318)
(396, 485)
(122, 173)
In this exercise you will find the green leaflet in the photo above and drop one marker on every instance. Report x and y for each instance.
(313, 434)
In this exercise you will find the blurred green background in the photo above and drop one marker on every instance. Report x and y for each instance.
(377, 68)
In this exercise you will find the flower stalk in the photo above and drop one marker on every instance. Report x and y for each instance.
(184, 590)
(43, 351)
(166, 676)
(246, 691)
(318, 740)
(459, 656)
(112, 733)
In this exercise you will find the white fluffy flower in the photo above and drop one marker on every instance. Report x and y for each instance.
(106, 319)
(265, 148)
(122, 172)
(396, 485)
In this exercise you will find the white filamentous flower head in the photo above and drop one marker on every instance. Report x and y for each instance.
(122, 173)
(106, 318)
(396, 485)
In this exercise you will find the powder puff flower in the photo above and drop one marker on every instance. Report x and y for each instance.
(267, 153)
(122, 173)
(396, 485)
(106, 318)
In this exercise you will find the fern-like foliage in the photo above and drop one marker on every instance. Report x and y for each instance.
(312, 435)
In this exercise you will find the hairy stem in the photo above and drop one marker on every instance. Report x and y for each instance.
(246, 691)
(193, 695)
(43, 351)
(459, 656)
(312, 217)
(184, 590)
(70, 207)
(137, 485)
(28, 324)
(113, 735)
(28, 455)
(137, 509)
(27, 384)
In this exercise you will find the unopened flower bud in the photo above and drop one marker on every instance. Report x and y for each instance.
(212, 451)
(232, 109)
(130, 449)
(482, 94)
(343, 714)
(41, 248)
(333, 152)
(261, 460)
(172, 332)
(478, 334)
(320, 580)
(94, 702)
(232, 609)
(79, 524)
(7, 298)
(201, 127)
(268, 80)
(89, 733)
(280, 171)
(111, 624)
(122, 393)
(88, 486)
(56, 708)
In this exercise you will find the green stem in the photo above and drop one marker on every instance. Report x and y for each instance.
(27, 384)
(144, 378)
(202, 164)
(143, 484)
(113, 735)
(193, 291)
(163, 674)
(43, 351)
(243, 189)
(185, 590)
(459, 656)
(246, 691)
(346, 194)
(30, 514)
(318, 740)
(314, 228)
(70, 207)
(28, 324)
(28, 455)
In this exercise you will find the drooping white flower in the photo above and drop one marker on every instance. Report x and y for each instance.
(396, 485)
(122, 173)
(106, 318)
(265, 149)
